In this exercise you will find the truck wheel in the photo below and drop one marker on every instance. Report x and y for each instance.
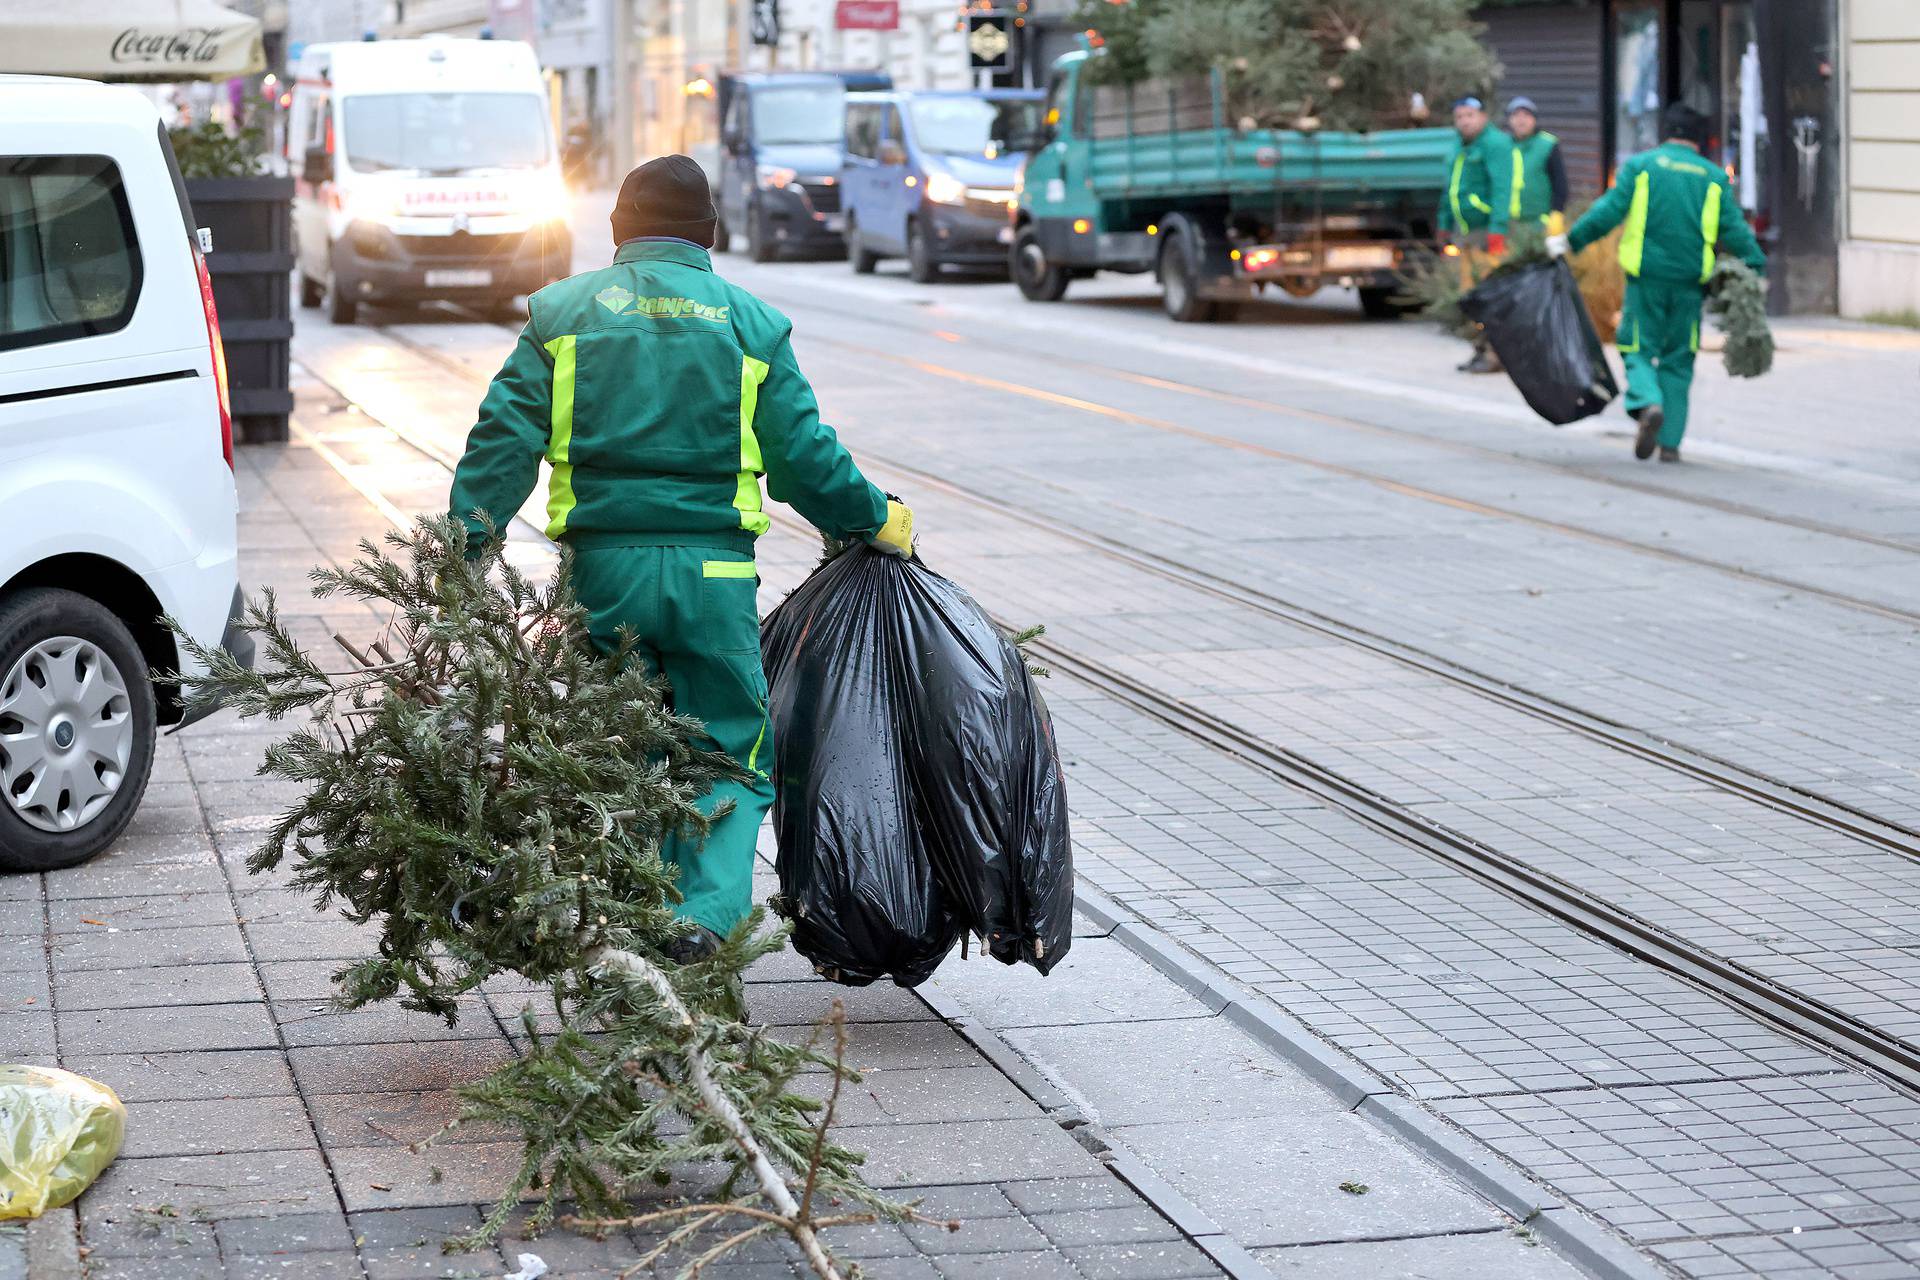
(1038, 279)
(1180, 280)
(922, 266)
(77, 721)
(760, 245)
(1382, 302)
(312, 292)
(862, 259)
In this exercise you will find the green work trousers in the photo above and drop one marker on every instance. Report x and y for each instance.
(1659, 335)
(694, 615)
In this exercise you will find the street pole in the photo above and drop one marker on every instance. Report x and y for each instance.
(620, 19)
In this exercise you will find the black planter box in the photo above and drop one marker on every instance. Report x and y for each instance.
(251, 265)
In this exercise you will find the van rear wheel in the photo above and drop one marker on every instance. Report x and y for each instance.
(862, 259)
(342, 307)
(77, 719)
(312, 292)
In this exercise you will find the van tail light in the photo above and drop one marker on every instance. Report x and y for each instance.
(219, 354)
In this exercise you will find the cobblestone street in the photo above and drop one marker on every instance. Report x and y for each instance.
(1463, 813)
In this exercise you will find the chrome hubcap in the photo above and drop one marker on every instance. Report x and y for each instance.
(1033, 260)
(66, 733)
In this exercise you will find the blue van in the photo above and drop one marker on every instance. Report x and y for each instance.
(929, 176)
(779, 170)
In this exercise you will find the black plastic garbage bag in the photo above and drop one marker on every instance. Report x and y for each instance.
(917, 789)
(1538, 325)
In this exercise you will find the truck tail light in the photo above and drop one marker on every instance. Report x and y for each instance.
(219, 353)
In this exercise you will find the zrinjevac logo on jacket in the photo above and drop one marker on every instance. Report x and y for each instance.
(622, 302)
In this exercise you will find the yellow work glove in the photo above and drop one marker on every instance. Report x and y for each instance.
(896, 535)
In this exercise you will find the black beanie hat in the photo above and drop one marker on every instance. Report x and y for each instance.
(665, 197)
(1681, 121)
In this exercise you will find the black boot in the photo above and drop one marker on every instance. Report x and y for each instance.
(1651, 418)
(1668, 454)
(698, 945)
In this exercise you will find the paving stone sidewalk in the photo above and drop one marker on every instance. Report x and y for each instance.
(267, 1131)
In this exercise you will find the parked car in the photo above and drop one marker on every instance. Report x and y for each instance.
(931, 176)
(778, 185)
(117, 499)
(426, 169)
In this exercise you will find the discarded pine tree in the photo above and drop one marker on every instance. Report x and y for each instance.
(1300, 64)
(494, 794)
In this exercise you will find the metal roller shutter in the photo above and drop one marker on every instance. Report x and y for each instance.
(1552, 53)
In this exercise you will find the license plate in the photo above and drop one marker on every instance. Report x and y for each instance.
(1004, 235)
(1359, 257)
(834, 221)
(472, 278)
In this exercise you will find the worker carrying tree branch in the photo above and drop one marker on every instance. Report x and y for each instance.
(1678, 207)
(660, 394)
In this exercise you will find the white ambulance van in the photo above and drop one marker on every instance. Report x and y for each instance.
(427, 170)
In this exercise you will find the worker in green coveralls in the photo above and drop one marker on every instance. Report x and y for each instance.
(1678, 208)
(1538, 187)
(660, 394)
(1475, 205)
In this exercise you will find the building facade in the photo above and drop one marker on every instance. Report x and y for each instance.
(1880, 248)
(1814, 108)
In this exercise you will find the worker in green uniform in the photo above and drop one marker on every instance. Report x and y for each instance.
(1538, 188)
(1678, 208)
(660, 394)
(1475, 205)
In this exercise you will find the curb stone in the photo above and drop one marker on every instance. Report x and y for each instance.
(1585, 1243)
(1187, 1218)
(53, 1246)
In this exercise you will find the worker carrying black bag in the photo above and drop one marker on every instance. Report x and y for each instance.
(917, 790)
(1537, 323)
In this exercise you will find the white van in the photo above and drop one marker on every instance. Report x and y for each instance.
(426, 170)
(117, 500)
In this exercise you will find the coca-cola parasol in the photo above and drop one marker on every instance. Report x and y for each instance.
(153, 40)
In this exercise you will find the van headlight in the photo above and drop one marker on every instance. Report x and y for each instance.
(774, 175)
(944, 188)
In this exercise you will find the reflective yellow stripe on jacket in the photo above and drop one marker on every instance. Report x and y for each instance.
(746, 493)
(1453, 192)
(1709, 230)
(1633, 239)
(560, 499)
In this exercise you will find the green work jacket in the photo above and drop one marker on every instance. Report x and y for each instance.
(1531, 192)
(1677, 208)
(660, 393)
(1479, 174)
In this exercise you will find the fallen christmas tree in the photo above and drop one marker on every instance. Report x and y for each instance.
(1299, 64)
(494, 794)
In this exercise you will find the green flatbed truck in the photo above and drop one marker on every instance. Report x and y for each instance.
(1154, 177)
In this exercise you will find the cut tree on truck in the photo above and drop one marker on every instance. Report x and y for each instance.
(1228, 145)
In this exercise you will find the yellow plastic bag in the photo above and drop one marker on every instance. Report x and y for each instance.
(58, 1131)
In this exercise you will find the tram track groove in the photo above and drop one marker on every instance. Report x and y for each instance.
(1811, 1020)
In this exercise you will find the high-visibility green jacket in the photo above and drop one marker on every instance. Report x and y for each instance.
(1539, 181)
(1479, 175)
(660, 393)
(1677, 208)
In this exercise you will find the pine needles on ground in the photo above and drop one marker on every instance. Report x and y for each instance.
(494, 794)
(1737, 301)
